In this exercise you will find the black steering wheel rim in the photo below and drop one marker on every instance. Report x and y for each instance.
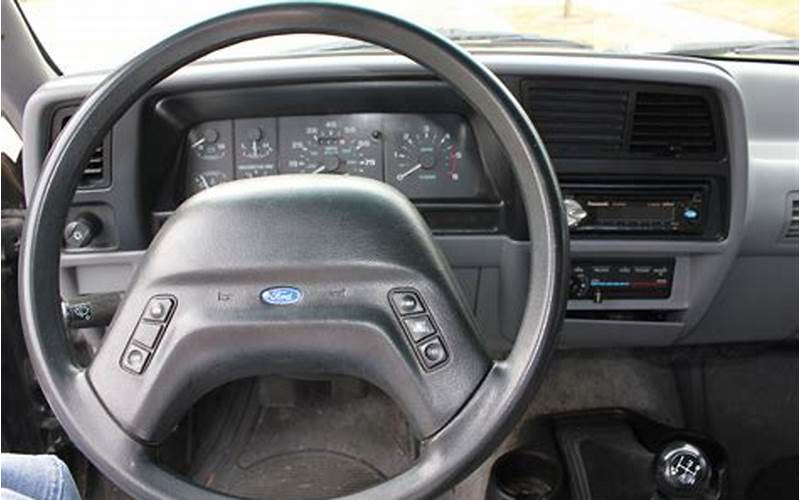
(508, 387)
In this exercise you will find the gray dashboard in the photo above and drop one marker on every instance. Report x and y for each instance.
(716, 280)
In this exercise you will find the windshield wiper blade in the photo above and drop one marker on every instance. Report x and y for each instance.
(759, 48)
(462, 37)
(775, 47)
(507, 38)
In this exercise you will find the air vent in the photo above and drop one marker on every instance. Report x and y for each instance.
(577, 119)
(97, 173)
(673, 125)
(790, 227)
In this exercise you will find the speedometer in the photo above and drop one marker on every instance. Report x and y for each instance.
(335, 144)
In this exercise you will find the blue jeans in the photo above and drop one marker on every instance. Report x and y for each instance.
(37, 477)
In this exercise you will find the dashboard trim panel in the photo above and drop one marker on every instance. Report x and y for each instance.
(701, 266)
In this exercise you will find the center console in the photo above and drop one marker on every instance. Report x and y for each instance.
(600, 454)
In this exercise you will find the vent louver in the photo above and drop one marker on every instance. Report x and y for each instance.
(577, 119)
(673, 125)
(96, 174)
(588, 118)
(790, 229)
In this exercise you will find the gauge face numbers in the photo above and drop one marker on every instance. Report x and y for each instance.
(209, 159)
(205, 143)
(256, 147)
(426, 155)
(336, 144)
(429, 157)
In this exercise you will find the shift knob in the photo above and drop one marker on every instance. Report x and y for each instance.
(682, 471)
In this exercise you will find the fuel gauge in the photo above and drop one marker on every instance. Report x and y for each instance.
(205, 143)
(209, 159)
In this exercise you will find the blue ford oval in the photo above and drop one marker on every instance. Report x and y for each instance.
(281, 296)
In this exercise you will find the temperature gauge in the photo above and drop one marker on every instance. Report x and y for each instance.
(208, 180)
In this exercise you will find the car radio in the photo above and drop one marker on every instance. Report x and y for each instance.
(609, 209)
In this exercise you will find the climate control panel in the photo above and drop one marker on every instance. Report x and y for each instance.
(600, 280)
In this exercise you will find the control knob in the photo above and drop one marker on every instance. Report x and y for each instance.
(578, 286)
(80, 232)
(575, 212)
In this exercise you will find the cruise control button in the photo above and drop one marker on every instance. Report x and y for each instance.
(433, 353)
(419, 327)
(158, 309)
(407, 303)
(135, 358)
(147, 333)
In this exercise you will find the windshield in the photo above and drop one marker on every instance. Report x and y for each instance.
(91, 35)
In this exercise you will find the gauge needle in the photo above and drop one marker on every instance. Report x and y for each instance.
(206, 185)
(319, 170)
(408, 172)
(198, 142)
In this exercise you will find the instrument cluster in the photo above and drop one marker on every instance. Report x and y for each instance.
(430, 156)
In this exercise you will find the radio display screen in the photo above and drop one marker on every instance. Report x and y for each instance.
(631, 211)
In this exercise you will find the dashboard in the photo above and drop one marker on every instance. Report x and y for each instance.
(680, 175)
(425, 156)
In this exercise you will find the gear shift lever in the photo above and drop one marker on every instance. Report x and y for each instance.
(682, 471)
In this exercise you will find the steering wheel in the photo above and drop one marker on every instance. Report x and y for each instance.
(292, 274)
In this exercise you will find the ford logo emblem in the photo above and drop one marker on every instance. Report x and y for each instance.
(281, 296)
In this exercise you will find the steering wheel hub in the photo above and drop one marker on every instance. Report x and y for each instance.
(219, 251)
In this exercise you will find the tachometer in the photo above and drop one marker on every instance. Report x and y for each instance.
(419, 154)
(340, 144)
(431, 157)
